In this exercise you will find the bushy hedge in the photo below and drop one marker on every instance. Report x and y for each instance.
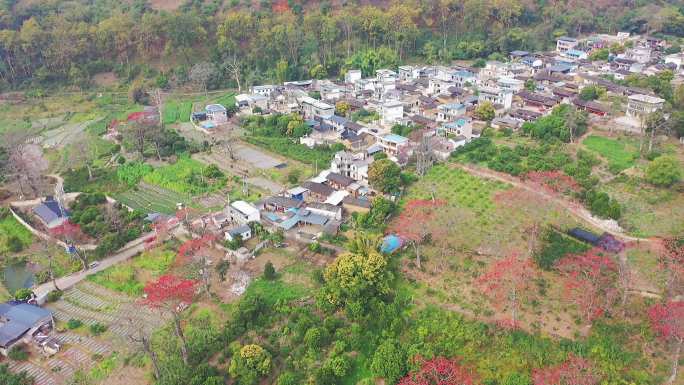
(556, 245)
(286, 147)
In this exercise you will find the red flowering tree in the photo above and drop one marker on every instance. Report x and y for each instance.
(591, 283)
(70, 232)
(439, 371)
(416, 223)
(193, 247)
(553, 181)
(574, 371)
(667, 320)
(506, 282)
(172, 294)
(671, 262)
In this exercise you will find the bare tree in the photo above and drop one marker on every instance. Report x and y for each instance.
(232, 65)
(201, 72)
(142, 337)
(27, 163)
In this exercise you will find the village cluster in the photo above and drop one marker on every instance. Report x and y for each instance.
(441, 104)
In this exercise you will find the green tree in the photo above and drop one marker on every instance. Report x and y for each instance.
(664, 171)
(384, 176)
(485, 111)
(249, 364)
(269, 271)
(389, 361)
(592, 92)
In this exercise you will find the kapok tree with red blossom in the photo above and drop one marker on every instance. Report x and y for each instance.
(667, 320)
(417, 223)
(671, 262)
(440, 371)
(574, 371)
(591, 283)
(507, 282)
(71, 232)
(172, 294)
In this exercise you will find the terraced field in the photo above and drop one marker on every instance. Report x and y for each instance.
(152, 199)
(89, 303)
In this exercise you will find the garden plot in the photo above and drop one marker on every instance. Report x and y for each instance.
(65, 134)
(91, 303)
(152, 199)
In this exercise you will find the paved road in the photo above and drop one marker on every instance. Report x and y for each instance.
(69, 281)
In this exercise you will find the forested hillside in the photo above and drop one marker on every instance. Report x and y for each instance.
(64, 43)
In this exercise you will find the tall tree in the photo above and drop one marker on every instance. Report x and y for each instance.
(574, 371)
(591, 283)
(172, 294)
(667, 320)
(440, 371)
(201, 73)
(416, 224)
(507, 282)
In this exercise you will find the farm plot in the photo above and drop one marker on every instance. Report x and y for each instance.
(457, 188)
(152, 199)
(176, 111)
(620, 154)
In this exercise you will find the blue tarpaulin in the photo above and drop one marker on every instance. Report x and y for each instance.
(390, 244)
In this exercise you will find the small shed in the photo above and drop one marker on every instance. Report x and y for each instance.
(584, 236)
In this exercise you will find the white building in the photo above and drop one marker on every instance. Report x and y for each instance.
(391, 144)
(449, 112)
(244, 232)
(462, 126)
(510, 84)
(264, 90)
(351, 165)
(496, 95)
(386, 75)
(312, 107)
(565, 43)
(352, 76)
(409, 73)
(243, 213)
(216, 113)
(640, 105)
(677, 59)
(392, 112)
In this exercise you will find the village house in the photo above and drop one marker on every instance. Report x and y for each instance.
(352, 76)
(392, 112)
(352, 165)
(243, 212)
(317, 191)
(391, 144)
(639, 105)
(495, 96)
(449, 112)
(264, 90)
(338, 181)
(564, 44)
(462, 126)
(216, 113)
(22, 323)
(325, 209)
(243, 231)
(51, 213)
(312, 108)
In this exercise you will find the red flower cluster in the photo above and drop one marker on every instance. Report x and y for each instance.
(439, 371)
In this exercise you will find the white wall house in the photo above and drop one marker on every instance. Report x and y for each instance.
(563, 44)
(638, 106)
(496, 95)
(352, 76)
(312, 107)
(242, 212)
(392, 112)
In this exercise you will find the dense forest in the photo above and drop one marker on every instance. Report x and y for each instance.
(64, 43)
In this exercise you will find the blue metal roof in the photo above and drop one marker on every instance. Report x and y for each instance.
(394, 138)
(390, 243)
(21, 317)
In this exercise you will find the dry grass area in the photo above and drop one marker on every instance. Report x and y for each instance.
(166, 5)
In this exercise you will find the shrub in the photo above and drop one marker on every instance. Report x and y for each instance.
(23, 294)
(315, 247)
(555, 246)
(74, 324)
(18, 353)
(269, 271)
(97, 328)
(664, 171)
(54, 295)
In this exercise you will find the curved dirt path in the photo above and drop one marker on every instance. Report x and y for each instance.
(576, 210)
